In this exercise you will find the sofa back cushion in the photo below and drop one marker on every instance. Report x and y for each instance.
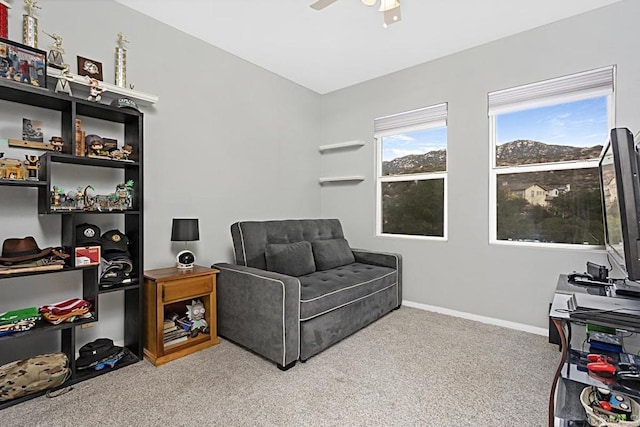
(292, 259)
(331, 253)
(250, 238)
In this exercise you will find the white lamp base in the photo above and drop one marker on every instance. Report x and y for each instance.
(185, 259)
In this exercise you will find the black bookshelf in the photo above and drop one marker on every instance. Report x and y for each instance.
(72, 109)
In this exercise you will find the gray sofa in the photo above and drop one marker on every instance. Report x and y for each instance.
(297, 288)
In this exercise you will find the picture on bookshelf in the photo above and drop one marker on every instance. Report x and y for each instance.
(23, 64)
(32, 130)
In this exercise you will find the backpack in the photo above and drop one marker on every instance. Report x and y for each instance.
(34, 374)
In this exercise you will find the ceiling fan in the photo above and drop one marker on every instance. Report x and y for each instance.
(390, 8)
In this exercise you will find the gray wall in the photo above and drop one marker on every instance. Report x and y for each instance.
(227, 141)
(466, 273)
(230, 141)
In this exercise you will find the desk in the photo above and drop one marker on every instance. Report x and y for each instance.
(593, 307)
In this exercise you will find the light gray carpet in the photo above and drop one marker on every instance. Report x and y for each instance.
(410, 368)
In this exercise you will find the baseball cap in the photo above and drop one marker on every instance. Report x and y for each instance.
(125, 103)
(88, 235)
(115, 245)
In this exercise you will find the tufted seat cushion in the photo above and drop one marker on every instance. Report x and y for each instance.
(324, 291)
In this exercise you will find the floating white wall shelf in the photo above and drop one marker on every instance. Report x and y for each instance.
(111, 89)
(345, 144)
(340, 179)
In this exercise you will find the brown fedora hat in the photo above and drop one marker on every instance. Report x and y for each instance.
(20, 250)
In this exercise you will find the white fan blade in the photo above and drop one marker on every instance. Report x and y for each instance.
(321, 4)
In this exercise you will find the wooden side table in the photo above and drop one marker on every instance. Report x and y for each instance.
(171, 289)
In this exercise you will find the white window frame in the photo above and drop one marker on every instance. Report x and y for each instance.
(560, 90)
(432, 117)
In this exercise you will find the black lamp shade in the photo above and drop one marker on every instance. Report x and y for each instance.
(185, 230)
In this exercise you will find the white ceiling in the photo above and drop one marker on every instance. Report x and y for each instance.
(345, 43)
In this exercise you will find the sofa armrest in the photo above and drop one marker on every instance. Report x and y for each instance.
(259, 310)
(383, 259)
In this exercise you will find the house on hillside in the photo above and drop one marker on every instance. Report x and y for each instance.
(532, 193)
(536, 194)
(555, 192)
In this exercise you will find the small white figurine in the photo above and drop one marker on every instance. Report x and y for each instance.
(95, 91)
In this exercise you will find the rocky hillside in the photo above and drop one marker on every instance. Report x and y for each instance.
(519, 152)
(526, 152)
(432, 161)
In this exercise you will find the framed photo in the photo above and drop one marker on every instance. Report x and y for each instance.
(23, 64)
(90, 68)
(32, 130)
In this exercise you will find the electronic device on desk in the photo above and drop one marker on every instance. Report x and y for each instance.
(628, 372)
(604, 342)
(586, 279)
(597, 276)
(619, 168)
(627, 289)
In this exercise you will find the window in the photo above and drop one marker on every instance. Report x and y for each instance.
(546, 138)
(412, 173)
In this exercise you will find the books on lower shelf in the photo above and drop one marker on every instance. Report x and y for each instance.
(169, 326)
(172, 334)
(176, 340)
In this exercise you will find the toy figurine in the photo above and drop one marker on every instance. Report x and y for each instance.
(124, 193)
(57, 143)
(127, 150)
(32, 163)
(87, 198)
(55, 195)
(12, 169)
(123, 153)
(195, 313)
(95, 145)
(95, 91)
(79, 198)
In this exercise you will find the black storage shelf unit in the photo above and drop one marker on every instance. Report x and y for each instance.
(22, 183)
(77, 377)
(65, 269)
(71, 109)
(88, 161)
(44, 327)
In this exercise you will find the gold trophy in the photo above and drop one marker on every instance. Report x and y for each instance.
(121, 61)
(30, 25)
(55, 54)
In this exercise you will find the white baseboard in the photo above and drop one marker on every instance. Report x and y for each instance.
(478, 318)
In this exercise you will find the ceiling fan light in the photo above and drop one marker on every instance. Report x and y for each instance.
(386, 5)
(391, 16)
(369, 2)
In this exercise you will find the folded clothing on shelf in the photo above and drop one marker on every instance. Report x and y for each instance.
(66, 311)
(115, 272)
(18, 320)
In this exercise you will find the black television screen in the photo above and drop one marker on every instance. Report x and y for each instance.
(620, 186)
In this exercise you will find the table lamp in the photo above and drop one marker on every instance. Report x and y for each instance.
(185, 230)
